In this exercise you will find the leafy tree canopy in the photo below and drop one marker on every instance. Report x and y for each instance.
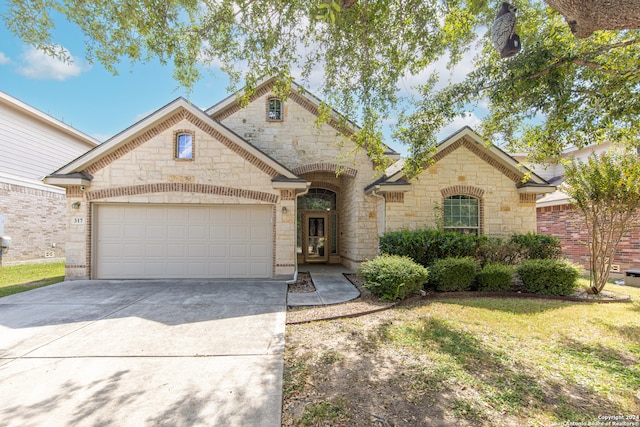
(581, 90)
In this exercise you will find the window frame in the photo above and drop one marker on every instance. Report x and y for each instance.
(176, 145)
(465, 227)
(280, 109)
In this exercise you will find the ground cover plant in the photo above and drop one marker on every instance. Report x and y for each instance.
(467, 362)
(20, 278)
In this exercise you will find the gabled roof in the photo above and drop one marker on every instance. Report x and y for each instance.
(298, 94)
(18, 105)
(491, 154)
(178, 109)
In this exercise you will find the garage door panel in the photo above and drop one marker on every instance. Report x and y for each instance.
(259, 251)
(198, 232)
(171, 241)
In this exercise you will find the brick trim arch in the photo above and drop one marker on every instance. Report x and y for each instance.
(466, 190)
(180, 187)
(325, 185)
(325, 167)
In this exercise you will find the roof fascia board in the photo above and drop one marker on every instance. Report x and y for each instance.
(64, 182)
(155, 118)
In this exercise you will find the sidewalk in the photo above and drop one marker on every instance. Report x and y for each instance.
(332, 287)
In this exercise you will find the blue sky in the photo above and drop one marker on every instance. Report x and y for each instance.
(94, 101)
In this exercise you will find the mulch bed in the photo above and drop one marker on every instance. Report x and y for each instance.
(368, 303)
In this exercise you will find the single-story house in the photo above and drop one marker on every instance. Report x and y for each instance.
(253, 191)
(33, 214)
(556, 216)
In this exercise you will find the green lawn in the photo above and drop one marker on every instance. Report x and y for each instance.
(472, 361)
(20, 278)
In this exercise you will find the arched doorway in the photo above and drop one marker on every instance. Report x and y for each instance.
(317, 226)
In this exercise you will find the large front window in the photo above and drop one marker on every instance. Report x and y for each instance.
(462, 214)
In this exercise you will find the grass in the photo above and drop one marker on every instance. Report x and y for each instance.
(20, 278)
(487, 361)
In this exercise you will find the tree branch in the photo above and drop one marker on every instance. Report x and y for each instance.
(579, 61)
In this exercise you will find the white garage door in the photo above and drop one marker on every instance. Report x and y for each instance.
(175, 241)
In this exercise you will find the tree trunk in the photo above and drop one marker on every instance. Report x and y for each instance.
(586, 16)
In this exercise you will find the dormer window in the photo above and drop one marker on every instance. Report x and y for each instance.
(274, 110)
(183, 144)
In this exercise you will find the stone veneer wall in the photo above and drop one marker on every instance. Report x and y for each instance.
(301, 146)
(35, 220)
(566, 224)
(503, 212)
(150, 174)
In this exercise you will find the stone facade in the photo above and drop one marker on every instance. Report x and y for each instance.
(461, 171)
(322, 155)
(144, 171)
(243, 157)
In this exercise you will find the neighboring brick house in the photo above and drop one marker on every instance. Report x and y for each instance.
(32, 214)
(255, 191)
(556, 216)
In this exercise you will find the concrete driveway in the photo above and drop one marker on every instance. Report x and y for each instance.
(143, 353)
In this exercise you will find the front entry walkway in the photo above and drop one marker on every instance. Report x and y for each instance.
(331, 286)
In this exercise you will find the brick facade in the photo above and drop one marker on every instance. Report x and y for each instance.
(564, 222)
(35, 220)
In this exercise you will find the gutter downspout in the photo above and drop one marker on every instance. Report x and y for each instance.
(295, 254)
(374, 193)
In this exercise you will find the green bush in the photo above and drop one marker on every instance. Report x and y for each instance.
(453, 274)
(495, 277)
(538, 246)
(548, 276)
(496, 250)
(393, 277)
(427, 245)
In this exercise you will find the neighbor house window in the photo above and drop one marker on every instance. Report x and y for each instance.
(274, 109)
(462, 214)
(183, 146)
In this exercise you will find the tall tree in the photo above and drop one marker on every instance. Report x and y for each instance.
(606, 192)
(364, 48)
(559, 91)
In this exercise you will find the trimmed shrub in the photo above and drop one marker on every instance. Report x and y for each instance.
(453, 274)
(393, 277)
(495, 277)
(538, 246)
(548, 276)
(426, 245)
(496, 250)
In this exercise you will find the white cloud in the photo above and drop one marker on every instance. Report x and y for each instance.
(468, 119)
(4, 59)
(40, 66)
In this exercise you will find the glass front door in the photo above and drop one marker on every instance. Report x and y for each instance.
(315, 247)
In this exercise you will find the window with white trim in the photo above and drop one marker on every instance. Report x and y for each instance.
(274, 109)
(462, 214)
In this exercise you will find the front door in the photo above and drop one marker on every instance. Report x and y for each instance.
(316, 245)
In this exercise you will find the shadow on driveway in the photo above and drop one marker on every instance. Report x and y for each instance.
(143, 353)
